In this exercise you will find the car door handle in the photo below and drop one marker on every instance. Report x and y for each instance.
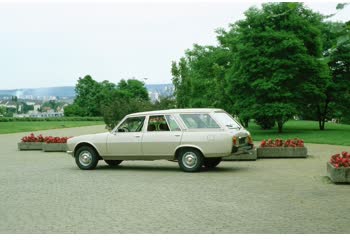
(137, 136)
(177, 135)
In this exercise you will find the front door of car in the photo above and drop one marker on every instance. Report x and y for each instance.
(126, 140)
(161, 137)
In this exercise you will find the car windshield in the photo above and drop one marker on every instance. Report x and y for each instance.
(227, 120)
(199, 121)
(132, 124)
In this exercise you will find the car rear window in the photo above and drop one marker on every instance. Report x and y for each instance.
(226, 120)
(199, 120)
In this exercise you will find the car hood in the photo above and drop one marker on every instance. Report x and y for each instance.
(88, 137)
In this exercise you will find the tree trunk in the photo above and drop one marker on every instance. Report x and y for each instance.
(322, 115)
(322, 124)
(280, 126)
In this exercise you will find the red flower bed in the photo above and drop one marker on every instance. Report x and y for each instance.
(56, 139)
(296, 142)
(32, 138)
(340, 160)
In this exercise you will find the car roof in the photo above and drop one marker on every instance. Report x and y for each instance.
(179, 110)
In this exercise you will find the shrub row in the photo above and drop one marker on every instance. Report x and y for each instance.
(56, 119)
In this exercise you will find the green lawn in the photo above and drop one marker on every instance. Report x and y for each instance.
(335, 134)
(13, 127)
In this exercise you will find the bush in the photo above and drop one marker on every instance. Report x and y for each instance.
(117, 109)
(265, 122)
(58, 119)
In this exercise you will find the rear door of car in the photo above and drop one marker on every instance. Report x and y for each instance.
(161, 136)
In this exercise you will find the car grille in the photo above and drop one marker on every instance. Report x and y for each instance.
(242, 140)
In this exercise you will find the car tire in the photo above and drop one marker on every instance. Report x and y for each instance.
(86, 158)
(190, 160)
(211, 162)
(113, 163)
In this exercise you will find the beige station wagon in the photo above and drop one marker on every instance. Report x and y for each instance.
(192, 137)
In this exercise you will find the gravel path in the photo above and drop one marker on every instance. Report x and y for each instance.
(46, 193)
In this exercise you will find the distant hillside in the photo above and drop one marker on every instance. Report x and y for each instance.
(40, 92)
(162, 89)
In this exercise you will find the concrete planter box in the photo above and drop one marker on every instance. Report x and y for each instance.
(282, 152)
(30, 146)
(338, 175)
(251, 156)
(54, 147)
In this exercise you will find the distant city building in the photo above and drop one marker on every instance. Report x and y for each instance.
(154, 96)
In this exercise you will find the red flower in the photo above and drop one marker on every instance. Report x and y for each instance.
(342, 160)
(48, 139)
(281, 143)
(51, 139)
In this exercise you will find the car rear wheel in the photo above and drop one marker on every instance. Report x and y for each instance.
(113, 162)
(190, 160)
(211, 162)
(86, 158)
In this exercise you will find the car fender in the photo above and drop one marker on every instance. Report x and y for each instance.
(189, 146)
(86, 143)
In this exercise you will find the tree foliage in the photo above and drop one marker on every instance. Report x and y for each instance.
(108, 99)
(2, 110)
(276, 51)
(270, 66)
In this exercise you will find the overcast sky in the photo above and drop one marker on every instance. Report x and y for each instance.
(46, 44)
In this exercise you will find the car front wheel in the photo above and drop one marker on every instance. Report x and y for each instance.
(190, 160)
(86, 158)
(113, 162)
(211, 162)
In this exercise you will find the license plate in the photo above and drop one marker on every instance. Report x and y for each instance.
(242, 140)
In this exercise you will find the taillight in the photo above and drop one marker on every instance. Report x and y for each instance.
(234, 140)
(250, 139)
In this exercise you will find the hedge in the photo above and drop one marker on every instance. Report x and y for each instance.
(53, 119)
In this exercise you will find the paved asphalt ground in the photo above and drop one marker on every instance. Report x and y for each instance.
(46, 193)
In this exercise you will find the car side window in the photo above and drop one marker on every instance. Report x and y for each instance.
(133, 124)
(199, 120)
(157, 124)
(172, 123)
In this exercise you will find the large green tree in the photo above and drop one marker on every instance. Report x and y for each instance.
(134, 89)
(182, 83)
(88, 96)
(336, 53)
(199, 77)
(276, 52)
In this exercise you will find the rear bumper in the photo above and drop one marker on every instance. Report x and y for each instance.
(242, 149)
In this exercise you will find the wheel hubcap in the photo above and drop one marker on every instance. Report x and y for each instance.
(85, 158)
(189, 159)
